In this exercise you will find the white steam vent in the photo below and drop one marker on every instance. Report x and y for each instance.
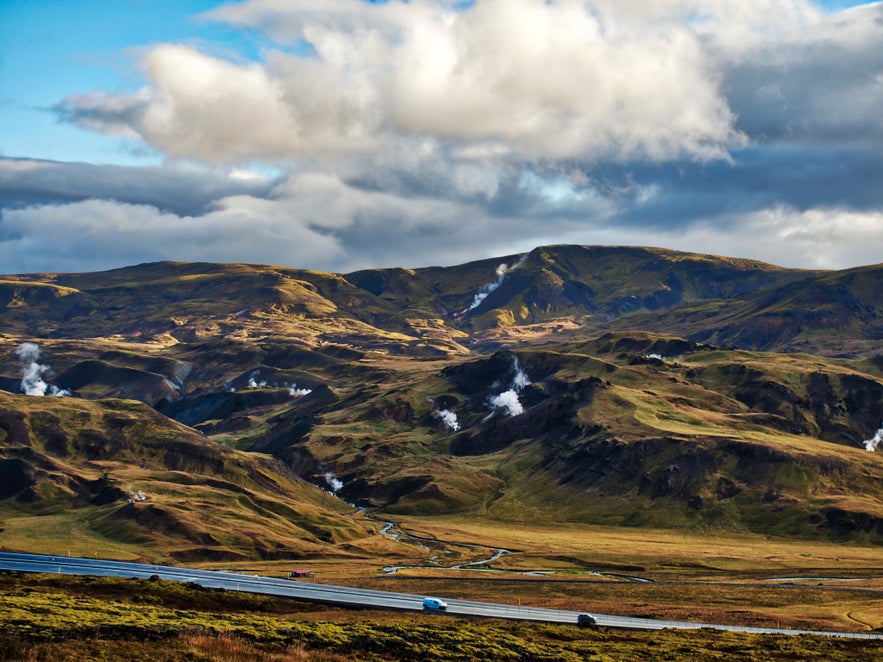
(253, 380)
(32, 382)
(449, 418)
(502, 271)
(508, 399)
(293, 390)
(334, 483)
(872, 443)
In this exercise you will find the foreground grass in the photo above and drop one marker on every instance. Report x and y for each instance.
(48, 617)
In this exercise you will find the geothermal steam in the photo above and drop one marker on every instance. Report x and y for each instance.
(872, 443)
(334, 483)
(253, 382)
(502, 271)
(449, 418)
(32, 382)
(508, 400)
(293, 390)
(137, 496)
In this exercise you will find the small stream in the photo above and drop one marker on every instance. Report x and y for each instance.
(389, 530)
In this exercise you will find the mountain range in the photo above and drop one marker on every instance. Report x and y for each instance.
(599, 385)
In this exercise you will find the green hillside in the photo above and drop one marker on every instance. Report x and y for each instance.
(594, 385)
(116, 477)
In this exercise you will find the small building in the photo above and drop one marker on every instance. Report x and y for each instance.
(299, 574)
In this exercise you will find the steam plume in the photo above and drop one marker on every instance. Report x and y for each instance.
(508, 400)
(449, 418)
(872, 443)
(502, 271)
(32, 382)
(252, 380)
(521, 379)
(293, 390)
(334, 483)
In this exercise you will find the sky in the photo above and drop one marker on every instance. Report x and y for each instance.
(346, 134)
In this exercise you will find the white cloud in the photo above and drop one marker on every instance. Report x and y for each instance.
(185, 189)
(290, 21)
(215, 111)
(550, 79)
(820, 85)
(313, 220)
(100, 234)
(434, 132)
(526, 77)
(316, 220)
(822, 238)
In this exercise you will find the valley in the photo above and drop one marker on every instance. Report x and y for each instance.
(602, 413)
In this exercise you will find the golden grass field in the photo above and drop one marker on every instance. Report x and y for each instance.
(701, 578)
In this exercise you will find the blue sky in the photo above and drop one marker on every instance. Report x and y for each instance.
(53, 48)
(350, 134)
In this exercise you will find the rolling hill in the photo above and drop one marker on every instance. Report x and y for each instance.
(115, 474)
(611, 385)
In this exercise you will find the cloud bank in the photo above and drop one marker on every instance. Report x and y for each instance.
(432, 132)
(524, 78)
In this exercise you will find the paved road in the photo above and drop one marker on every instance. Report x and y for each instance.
(344, 595)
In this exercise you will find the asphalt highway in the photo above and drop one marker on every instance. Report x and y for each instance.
(358, 597)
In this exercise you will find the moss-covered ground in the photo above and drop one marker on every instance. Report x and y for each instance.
(46, 617)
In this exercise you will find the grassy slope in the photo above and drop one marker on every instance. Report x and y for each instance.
(721, 439)
(69, 466)
(428, 310)
(726, 440)
(834, 314)
(81, 618)
(684, 442)
(671, 465)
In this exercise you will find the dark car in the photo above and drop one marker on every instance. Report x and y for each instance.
(586, 621)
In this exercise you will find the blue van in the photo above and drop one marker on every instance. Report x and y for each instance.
(434, 603)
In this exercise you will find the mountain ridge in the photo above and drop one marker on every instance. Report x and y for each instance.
(439, 306)
(612, 385)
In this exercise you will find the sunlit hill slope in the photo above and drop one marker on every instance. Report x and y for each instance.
(614, 385)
